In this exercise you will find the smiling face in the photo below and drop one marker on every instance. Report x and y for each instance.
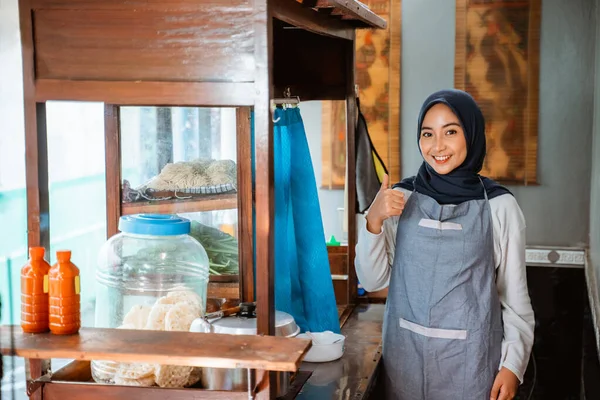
(442, 139)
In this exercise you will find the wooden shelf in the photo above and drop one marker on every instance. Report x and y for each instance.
(224, 278)
(223, 290)
(204, 203)
(214, 350)
(224, 287)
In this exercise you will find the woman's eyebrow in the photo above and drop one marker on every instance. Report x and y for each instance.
(451, 124)
(445, 126)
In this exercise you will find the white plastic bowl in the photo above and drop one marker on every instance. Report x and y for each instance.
(326, 346)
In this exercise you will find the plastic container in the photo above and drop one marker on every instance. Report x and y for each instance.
(34, 293)
(151, 276)
(63, 295)
(326, 346)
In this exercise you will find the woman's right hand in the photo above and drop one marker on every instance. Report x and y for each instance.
(388, 203)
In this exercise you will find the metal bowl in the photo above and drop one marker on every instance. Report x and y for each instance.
(285, 325)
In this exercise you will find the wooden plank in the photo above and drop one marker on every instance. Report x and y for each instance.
(36, 159)
(308, 92)
(340, 289)
(264, 173)
(395, 92)
(193, 349)
(223, 290)
(346, 314)
(224, 278)
(204, 203)
(305, 18)
(351, 117)
(75, 371)
(533, 92)
(338, 259)
(36, 176)
(264, 185)
(112, 167)
(338, 264)
(355, 9)
(63, 390)
(148, 93)
(245, 203)
(141, 5)
(214, 43)
(36, 369)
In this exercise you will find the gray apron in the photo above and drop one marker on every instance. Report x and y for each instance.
(442, 332)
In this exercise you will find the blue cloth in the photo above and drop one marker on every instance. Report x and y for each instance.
(303, 285)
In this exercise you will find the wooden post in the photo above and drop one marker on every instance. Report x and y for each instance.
(112, 156)
(36, 164)
(351, 165)
(264, 178)
(264, 175)
(245, 201)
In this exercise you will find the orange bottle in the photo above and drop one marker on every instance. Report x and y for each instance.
(65, 313)
(34, 292)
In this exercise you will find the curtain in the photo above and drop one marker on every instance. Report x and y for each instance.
(303, 285)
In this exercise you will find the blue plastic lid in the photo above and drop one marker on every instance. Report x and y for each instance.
(154, 224)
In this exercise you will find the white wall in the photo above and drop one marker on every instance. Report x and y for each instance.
(557, 211)
(12, 146)
(330, 200)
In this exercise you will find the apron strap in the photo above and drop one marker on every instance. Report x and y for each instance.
(484, 191)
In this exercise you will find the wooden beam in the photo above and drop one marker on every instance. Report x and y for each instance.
(301, 17)
(161, 5)
(223, 290)
(208, 202)
(66, 390)
(112, 166)
(213, 350)
(357, 10)
(315, 92)
(36, 152)
(36, 176)
(264, 174)
(245, 204)
(210, 94)
(351, 116)
(264, 184)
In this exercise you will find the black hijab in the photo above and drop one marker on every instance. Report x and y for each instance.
(462, 184)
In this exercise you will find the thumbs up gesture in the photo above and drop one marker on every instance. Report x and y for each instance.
(388, 203)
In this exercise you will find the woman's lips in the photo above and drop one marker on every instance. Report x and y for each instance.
(441, 159)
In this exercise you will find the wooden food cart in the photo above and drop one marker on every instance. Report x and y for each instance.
(204, 53)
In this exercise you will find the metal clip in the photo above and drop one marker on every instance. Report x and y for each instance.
(287, 101)
(34, 384)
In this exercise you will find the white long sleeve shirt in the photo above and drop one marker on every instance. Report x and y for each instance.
(375, 256)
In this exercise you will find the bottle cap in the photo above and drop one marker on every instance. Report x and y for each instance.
(154, 224)
(63, 255)
(333, 241)
(37, 253)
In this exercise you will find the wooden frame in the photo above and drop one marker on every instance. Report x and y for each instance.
(110, 61)
(505, 83)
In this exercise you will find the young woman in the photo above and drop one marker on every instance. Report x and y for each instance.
(450, 246)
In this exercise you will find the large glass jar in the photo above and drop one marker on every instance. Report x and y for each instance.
(151, 276)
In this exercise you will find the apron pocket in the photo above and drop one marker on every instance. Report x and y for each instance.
(444, 354)
(433, 332)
